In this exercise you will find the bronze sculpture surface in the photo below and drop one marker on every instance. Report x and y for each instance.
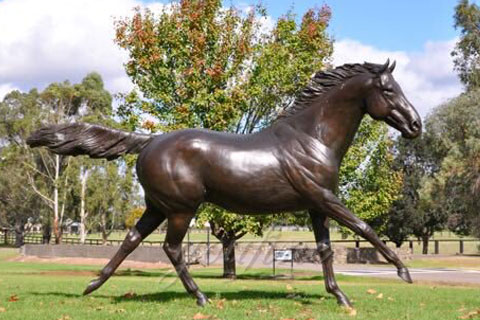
(291, 165)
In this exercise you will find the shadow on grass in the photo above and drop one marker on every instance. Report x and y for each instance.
(214, 275)
(167, 296)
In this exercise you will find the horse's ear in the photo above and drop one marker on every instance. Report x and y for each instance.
(392, 67)
(384, 67)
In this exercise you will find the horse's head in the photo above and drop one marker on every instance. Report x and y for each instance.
(385, 101)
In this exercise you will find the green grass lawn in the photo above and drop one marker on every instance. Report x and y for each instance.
(53, 291)
(453, 262)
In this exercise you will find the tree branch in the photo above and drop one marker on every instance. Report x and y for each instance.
(48, 201)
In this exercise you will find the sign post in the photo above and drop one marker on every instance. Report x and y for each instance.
(283, 255)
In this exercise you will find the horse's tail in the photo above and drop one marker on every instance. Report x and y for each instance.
(84, 138)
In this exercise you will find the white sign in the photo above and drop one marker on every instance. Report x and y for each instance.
(283, 255)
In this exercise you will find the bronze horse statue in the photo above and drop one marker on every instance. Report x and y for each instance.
(290, 166)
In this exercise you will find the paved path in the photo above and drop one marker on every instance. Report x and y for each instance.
(438, 275)
(441, 275)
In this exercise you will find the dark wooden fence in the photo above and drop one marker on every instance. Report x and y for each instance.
(7, 238)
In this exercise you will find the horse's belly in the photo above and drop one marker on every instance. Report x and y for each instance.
(268, 199)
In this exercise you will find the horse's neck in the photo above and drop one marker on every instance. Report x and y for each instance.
(333, 121)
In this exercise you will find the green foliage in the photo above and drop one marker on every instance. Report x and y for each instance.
(414, 212)
(17, 202)
(200, 65)
(368, 185)
(19, 113)
(109, 195)
(466, 53)
(226, 225)
(133, 215)
(453, 130)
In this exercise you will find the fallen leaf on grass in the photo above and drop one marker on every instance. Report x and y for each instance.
(64, 317)
(129, 295)
(2, 309)
(200, 316)
(289, 287)
(13, 298)
(471, 315)
(380, 296)
(351, 312)
(120, 311)
(220, 303)
(371, 291)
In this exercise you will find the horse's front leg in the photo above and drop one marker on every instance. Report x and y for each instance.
(328, 203)
(322, 238)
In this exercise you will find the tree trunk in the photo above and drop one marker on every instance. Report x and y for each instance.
(19, 233)
(229, 265)
(105, 232)
(83, 214)
(57, 228)
(425, 244)
(47, 233)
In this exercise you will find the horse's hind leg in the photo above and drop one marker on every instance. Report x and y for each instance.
(322, 237)
(150, 220)
(176, 230)
(334, 209)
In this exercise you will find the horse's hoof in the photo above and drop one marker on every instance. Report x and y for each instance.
(94, 285)
(404, 275)
(202, 299)
(344, 302)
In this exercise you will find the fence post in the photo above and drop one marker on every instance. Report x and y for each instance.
(6, 237)
(461, 246)
(436, 247)
(410, 245)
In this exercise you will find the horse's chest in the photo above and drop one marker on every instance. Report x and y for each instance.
(309, 166)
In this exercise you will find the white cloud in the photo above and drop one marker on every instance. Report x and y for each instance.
(426, 77)
(54, 40)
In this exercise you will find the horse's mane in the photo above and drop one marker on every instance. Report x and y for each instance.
(323, 81)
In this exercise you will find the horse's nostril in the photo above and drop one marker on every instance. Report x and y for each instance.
(415, 125)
